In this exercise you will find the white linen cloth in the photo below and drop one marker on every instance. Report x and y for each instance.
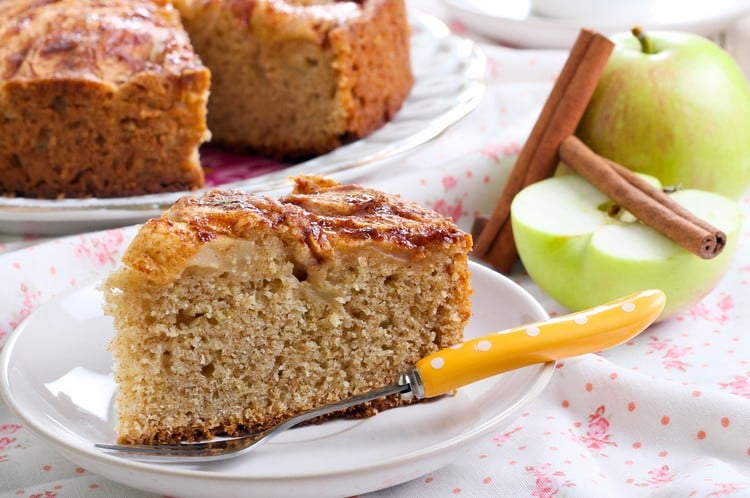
(663, 415)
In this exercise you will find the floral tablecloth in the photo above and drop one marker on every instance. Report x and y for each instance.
(663, 415)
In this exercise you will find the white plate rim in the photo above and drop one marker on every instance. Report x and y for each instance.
(79, 454)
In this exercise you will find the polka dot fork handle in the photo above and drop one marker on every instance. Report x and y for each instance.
(561, 337)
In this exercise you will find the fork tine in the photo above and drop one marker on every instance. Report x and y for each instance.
(190, 452)
(201, 452)
(153, 449)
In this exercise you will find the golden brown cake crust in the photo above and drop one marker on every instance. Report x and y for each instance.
(317, 73)
(317, 216)
(98, 98)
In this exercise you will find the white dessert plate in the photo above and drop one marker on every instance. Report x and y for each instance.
(55, 373)
(449, 76)
(514, 22)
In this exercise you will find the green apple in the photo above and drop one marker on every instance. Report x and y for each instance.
(677, 109)
(582, 256)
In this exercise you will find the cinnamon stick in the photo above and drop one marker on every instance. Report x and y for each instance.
(666, 200)
(538, 158)
(649, 204)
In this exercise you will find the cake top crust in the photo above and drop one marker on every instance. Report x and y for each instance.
(317, 219)
(100, 40)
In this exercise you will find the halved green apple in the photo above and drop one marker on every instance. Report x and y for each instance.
(582, 256)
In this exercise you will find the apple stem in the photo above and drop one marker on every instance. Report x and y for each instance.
(646, 46)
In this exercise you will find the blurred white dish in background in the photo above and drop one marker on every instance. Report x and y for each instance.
(513, 21)
(603, 10)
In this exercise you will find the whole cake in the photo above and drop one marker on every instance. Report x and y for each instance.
(107, 98)
(234, 311)
(296, 78)
(98, 98)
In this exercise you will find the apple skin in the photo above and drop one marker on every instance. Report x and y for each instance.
(582, 257)
(681, 114)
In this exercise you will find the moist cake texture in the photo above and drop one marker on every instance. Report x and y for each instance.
(98, 98)
(234, 311)
(294, 78)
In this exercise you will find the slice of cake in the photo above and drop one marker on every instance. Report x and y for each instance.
(295, 78)
(235, 311)
(98, 98)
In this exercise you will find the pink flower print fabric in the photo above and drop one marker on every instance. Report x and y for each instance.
(597, 430)
(665, 414)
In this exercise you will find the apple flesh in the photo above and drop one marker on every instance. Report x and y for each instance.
(582, 256)
(680, 113)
